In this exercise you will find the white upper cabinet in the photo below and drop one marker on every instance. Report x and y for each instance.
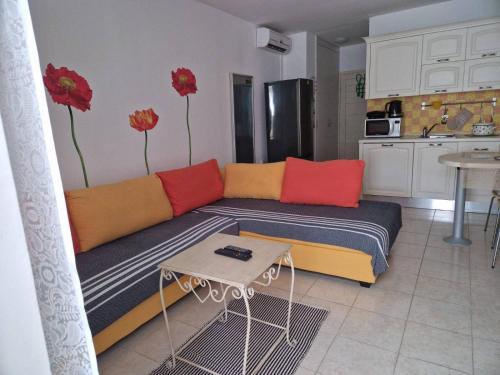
(395, 67)
(482, 74)
(440, 78)
(483, 41)
(444, 46)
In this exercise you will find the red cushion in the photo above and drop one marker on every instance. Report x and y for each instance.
(193, 187)
(335, 182)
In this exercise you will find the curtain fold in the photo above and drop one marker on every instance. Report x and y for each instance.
(31, 151)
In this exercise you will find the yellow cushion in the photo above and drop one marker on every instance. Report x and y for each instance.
(104, 213)
(260, 181)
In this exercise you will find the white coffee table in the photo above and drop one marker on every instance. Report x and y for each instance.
(205, 268)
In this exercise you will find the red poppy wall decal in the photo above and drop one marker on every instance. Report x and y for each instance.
(184, 81)
(68, 88)
(143, 121)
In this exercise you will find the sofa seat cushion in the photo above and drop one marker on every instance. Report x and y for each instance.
(117, 276)
(371, 228)
(258, 181)
(104, 213)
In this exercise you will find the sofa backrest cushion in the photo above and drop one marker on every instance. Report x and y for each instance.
(259, 181)
(192, 187)
(335, 182)
(104, 213)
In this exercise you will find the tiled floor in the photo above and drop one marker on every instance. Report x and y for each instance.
(436, 311)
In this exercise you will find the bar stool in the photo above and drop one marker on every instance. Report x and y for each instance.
(495, 243)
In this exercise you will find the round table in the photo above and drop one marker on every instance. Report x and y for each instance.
(465, 160)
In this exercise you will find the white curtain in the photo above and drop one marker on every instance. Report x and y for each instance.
(32, 196)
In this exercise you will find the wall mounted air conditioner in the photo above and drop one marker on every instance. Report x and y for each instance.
(273, 41)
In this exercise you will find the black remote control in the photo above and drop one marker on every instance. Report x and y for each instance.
(238, 249)
(233, 254)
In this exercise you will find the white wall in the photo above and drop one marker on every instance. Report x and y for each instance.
(434, 15)
(126, 50)
(300, 62)
(353, 57)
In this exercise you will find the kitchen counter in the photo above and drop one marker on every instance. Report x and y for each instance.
(418, 139)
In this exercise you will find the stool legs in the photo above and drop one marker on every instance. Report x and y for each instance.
(489, 213)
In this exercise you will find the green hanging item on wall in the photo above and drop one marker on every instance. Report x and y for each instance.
(360, 85)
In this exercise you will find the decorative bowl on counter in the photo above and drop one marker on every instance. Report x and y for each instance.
(483, 128)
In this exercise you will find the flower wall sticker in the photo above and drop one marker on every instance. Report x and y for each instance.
(143, 121)
(184, 81)
(68, 88)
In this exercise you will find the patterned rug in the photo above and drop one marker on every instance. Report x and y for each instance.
(221, 344)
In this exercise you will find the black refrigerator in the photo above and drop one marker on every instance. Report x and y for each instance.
(290, 119)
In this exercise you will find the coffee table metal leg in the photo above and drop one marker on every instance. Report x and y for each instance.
(224, 316)
(244, 294)
(164, 308)
(457, 238)
(289, 261)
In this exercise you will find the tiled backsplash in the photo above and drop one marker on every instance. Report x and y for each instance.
(415, 118)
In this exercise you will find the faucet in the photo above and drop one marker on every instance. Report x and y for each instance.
(425, 131)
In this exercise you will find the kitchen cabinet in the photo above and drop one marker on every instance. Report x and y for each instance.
(482, 74)
(483, 41)
(432, 179)
(388, 169)
(444, 46)
(394, 67)
(440, 78)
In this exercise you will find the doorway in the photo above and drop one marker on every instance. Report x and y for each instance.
(352, 114)
(242, 118)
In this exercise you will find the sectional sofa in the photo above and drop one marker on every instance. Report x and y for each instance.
(122, 231)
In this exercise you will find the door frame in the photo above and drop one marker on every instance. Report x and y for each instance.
(341, 110)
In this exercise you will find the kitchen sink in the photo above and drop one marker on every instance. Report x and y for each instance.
(437, 135)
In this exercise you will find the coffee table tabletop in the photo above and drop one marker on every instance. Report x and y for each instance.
(201, 261)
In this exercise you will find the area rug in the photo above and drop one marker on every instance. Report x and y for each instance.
(220, 346)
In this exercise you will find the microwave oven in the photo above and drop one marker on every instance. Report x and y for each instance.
(383, 127)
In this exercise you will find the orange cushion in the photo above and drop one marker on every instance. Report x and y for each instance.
(74, 237)
(192, 187)
(259, 181)
(104, 213)
(335, 182)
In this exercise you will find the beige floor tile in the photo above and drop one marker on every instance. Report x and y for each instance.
(410, 366)
(441, 229)
(458, 256)
(486, 297)
(395, 280)
(303, 371)
(444, 271)
(486, 357)
(486, 277)
(408, 250)
(486, 323)
(480, 259)
(335, 289)
(436, 240)
(349, 357)
(404, 264)
(373, 329)
(336, 316)
(444, 216)
(443, 290)
(281, 293)
(387, 302)
(124, 362)
(411, 238)
(480, 219)
(151, 340)
(439, 314)
(435, 345)
(416, 226)
(303, 280)
(317, 351)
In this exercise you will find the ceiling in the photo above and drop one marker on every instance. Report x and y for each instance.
(330, 19)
